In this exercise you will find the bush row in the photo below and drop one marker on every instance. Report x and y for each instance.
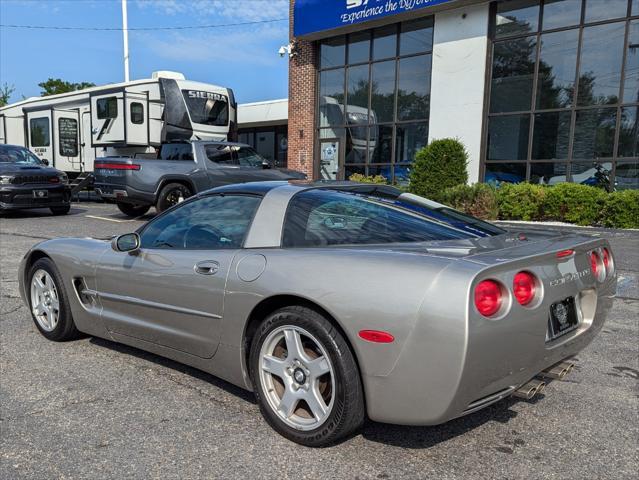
(566, 202)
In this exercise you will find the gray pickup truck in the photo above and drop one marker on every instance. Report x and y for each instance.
(178, 171)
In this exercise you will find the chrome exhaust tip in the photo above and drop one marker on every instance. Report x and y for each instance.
(558, 371)
(528, 390)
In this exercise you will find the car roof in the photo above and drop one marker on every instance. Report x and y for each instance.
(262, 188)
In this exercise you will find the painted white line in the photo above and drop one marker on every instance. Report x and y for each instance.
(111, 219)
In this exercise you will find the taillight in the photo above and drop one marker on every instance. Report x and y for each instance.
(596, 266)
(524, 287)
(488, 297)
(117, 166)
(607, 262)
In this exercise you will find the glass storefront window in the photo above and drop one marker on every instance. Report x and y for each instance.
(359, 47)
(410, 138)
(383, 91)
(627, 176)
(416, 36)
(508, 137)
(332, 52)
(381, 144)
(353, 169)
(575, 75)
(331, 101)
(413, 88)
(385, 42)
(357, 95)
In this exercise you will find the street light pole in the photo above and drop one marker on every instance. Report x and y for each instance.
(125, 33)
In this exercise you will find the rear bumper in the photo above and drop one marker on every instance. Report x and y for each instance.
(20, 197)
(478, 370)
(124, 193)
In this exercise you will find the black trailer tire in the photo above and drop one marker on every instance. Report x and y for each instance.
(131, 210)
(172, 194)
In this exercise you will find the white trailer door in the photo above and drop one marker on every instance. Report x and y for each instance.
(107, 119)
(88, 152)
(137, 118)
(39, 132)
(66, 140)
(3, 130)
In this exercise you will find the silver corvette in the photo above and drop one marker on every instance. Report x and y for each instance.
(333, 301)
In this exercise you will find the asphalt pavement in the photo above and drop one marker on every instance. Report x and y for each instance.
(95, 409)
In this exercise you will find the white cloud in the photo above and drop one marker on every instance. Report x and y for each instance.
(240, 10)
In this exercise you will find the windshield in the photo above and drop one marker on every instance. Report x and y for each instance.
(208, 108)
(247, 157)
(322, 217)
(18, 155)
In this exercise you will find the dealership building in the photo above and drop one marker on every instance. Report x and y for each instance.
(537, 90)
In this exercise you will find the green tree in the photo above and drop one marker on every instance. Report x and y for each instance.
(6, 91)
(439, 166)
(53, 86)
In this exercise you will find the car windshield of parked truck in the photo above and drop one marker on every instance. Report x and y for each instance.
(322, 217)
(207, 108)
(21, 156)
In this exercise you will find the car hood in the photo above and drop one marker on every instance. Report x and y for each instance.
(7, 168)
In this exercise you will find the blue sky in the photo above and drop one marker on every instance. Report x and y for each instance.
(241, 57)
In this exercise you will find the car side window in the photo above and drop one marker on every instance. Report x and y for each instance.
(176, 151)
(220, 154)
(247, 157)
(207, 223)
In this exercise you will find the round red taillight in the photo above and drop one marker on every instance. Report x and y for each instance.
(488, 297)
(524, 286)
(596, 266)
(607, 261)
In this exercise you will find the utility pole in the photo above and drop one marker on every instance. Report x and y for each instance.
(125, 33)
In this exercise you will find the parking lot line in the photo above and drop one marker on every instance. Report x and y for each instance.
(111, 219)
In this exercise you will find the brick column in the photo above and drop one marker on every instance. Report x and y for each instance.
(301, 103)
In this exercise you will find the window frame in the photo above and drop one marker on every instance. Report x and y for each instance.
(132, 115)
(140, 231)
(48, 123)
(112, 98)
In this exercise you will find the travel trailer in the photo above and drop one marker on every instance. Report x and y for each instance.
(70, 130)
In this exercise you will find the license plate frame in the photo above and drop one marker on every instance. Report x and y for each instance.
(562, 318)
(40, 194)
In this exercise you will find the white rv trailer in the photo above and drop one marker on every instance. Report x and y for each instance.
(70, 130)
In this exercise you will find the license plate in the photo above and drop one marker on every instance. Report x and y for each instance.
(40, 194)
(107, 172)
(563, 318)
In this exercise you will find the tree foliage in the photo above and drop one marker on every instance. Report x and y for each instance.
(6, 91)
(53, 86)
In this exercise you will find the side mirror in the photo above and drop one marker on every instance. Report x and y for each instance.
(129, 242)
(45, 161)
(266, 165)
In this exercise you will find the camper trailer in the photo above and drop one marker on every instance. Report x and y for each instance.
(70, 130)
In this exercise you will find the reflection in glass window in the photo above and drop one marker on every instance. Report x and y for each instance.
(410, 138)
(247, 157)
(385, 42)
(383, 91)
(332, 52)
(513, 72)
(413, 88)
(357, 78)
(551, 135)
(508, 137)
(600, 68)
(593, 174)
(107, 108)
(137, 113)
(597, 10)
(359, 46)
(39, 132)
(516, 17)
(416, 36)
(627, 176)
(561, 13)
(265, 144)
(631, 83)
(331, 101)
(381, 144)
(629, 133)
(594, 133)
(219, 154)
(356, 145)
(382, 170)
(635, 7)
(350, 170)
(498, 173)
(557, 66)
(548, 173)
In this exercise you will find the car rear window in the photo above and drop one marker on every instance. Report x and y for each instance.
(322, 217)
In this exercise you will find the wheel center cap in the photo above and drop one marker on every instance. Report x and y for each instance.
(299, 376)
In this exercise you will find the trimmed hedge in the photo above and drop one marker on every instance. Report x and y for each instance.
(377, 179)
(565, 202)
(439, 165)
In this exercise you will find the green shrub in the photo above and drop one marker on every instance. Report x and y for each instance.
(358, 177)
(621, 209)
(438, 166)
(574, 203)
(479, 200)
(521, 201)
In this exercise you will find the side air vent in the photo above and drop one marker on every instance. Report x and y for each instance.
(85, 295)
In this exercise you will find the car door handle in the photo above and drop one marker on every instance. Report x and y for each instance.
(207, 267)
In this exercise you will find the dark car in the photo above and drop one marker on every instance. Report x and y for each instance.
(28, 182)
(178, 171)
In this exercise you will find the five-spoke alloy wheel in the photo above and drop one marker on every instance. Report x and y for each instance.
(45, 303)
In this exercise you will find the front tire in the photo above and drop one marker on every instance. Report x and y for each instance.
(171, 195)
(49, 302)
(131, 210)
(306, 380)
(61, 210)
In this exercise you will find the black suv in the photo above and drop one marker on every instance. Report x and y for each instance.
(28, 182)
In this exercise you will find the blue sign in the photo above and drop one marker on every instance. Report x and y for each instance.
(312, 16)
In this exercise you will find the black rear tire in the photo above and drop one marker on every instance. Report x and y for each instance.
(348, 411)
(172, 194)
(131, 210)
(61, 210)
(65, 329)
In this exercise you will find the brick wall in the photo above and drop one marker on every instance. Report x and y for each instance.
(301, 103)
